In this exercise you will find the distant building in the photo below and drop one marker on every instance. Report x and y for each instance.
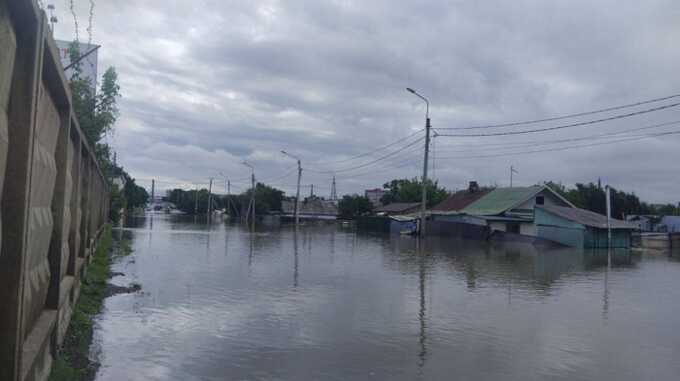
(311, 208)
(581, 228)
(669, 224)
(88, 64)
(644, 223)
(374, 196)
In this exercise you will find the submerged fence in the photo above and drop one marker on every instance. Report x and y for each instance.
(54, 197)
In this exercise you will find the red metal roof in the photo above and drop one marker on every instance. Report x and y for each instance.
(460, 200)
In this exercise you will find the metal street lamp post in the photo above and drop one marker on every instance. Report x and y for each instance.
(297, 192)
(423, 203)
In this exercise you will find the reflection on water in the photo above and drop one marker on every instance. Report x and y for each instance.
(326, 302)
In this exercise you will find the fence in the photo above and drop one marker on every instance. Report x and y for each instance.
(54, 197)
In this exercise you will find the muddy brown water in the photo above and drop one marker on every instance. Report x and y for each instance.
(328, 303)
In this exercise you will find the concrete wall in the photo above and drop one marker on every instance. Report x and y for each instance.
(53, 195)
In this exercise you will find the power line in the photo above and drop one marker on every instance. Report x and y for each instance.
(371, 162)
(567, 116)
(566, 140)
(615, 117)
(622, 140)
(373, 151)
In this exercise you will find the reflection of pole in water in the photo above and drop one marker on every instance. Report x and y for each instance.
(250, 255)
(207, 244)
(421, 313)
(332, 242)
(150, 227)
(605, 297)
(295, 255)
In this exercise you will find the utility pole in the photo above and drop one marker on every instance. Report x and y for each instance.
(297, 192)
(609, 211)
(252, 197)
(423, 203)
(153, 192)
(252, 194)
(196, 200)
(311, 193)
(209, 214)
(334, 194)
(512, 170)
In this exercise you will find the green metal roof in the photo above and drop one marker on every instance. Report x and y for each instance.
(500, 200)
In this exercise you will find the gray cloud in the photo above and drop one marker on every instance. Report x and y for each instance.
(209, 84)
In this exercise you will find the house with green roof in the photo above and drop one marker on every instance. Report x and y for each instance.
(507, 210)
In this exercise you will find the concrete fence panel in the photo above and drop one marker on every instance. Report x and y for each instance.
(53, 196)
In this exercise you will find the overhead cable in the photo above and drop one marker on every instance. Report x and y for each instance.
(579, 124)
(373, 151)
(567, 116)
(622, 140)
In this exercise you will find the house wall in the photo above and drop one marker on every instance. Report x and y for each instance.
(597, 238)
(460, 218)
(396, 227)
(548, 197)
(457, 230)
(526, 228)
(570, 233)
(498, 226)
(558, 229)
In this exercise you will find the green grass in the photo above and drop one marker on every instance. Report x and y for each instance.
(72, 362)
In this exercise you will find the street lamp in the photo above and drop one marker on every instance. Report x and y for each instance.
(252, 195)
(297, 193)
(423, 202)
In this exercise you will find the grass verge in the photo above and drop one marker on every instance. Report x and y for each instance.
(73, 362)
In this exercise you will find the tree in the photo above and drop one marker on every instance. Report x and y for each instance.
(193, 201)
(97, 112)
(593, 197)
(135, 196)
(353, 206)
(267, 199)
(405, 190)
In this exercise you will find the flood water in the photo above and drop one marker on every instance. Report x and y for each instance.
(329, 303)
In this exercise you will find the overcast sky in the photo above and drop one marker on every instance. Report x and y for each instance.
(208, 84)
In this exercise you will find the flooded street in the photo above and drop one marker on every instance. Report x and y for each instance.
(328, 303)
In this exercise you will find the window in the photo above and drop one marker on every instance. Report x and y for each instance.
(540, 200)
(512, 227)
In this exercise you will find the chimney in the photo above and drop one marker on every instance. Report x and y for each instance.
(473, 187)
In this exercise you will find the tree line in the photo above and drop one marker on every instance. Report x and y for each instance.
(97, 112)
(267, 199)
(593, 197)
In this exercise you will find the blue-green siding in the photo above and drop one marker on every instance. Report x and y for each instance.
(570, 233)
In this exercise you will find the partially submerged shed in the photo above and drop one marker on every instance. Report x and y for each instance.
(580, 228)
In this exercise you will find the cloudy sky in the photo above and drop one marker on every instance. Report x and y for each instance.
(209, 84)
